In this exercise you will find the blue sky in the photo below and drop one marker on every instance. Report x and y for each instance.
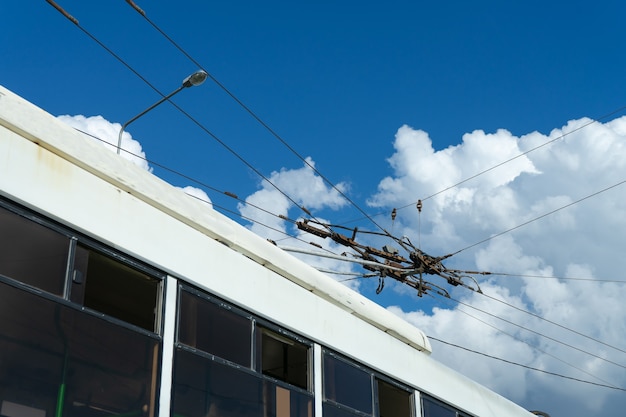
(392, 102)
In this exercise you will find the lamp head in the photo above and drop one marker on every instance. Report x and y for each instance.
(194, 79)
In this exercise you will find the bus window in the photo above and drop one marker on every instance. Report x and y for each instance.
(206, 326)
(434, 408)
(346, 385)
(104, 284)
(284, 359)
(393, 401)
(32, 253)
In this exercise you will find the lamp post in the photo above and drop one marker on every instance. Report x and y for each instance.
(196, 78)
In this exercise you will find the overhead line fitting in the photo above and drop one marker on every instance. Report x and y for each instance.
(63, 12)
(387, 262)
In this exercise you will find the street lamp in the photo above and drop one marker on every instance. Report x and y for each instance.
(196, 78)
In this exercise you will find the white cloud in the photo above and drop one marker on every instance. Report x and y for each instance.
(418, 167)
(584, 240)
(197, 193)
(302, 185)
(263, 208)
(107, 134)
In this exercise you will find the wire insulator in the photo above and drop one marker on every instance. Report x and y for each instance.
(394, 212)
(419, 205)
(63, 12)
(134, 6)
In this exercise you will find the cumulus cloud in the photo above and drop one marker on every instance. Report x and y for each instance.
(197, 193)
(107, 134)
(267, 209)
(574, 326)
(582, 240)
(302, 186)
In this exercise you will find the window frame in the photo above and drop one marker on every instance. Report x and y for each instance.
(257, 325)
(221, 304)
(375, 376)
(287, 338)
(394, 384)
(74, 239)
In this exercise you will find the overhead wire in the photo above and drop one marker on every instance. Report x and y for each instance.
(526, 366)
(539, 217)
(554, 323)
(539, 333)
(505, 274)
(535, 348)
(447, 296)
(354, 275)
(253, 114)
(75, 21)
(194, 120)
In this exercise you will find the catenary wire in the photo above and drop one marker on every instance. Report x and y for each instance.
(254, 115)
(526, 366)
(195, 121)
(554, 323)
(548, 320)
(446, 296)
(536, 348)
(505, 274)
(537, 333)
(539, 217)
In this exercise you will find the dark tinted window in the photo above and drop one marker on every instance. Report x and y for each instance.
(214, 329)
(113, 288)
(284, 358)
(434, 408)
(206, 388)
(347, 384)
(393, 401)
(56, 360)
(32, 253)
